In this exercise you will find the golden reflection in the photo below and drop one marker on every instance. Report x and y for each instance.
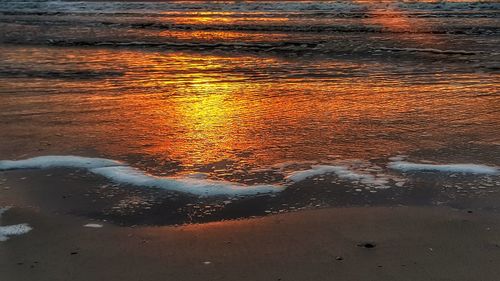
(201, 109)
(218, 35)
(403, 23)
(226, 18)
(206, 118)
(393, 20)
(206, 112)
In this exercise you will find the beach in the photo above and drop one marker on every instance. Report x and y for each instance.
(344, 243)
(410, 243)
(249, 140)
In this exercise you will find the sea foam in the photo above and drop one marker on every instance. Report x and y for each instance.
(342, 172)
(12, 230)
(44, 162)
(121, 173)
(202, 187)
(93, 225)
(448, 168)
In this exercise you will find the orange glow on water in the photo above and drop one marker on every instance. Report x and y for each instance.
(200, 109)
(221, 18)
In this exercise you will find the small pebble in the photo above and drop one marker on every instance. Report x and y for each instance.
(367, 245)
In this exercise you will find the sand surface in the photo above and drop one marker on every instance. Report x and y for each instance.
(411, 243)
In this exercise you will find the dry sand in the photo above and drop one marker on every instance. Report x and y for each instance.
(411, 243)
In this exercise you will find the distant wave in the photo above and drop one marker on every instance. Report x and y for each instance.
(303, 28)
(61, 74)
(354, 14)
(243, 46)
(437, 51)
(317, 47)
(290, 6)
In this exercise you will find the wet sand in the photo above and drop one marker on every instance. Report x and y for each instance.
(410, 243)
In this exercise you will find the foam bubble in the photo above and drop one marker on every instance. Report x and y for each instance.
(342, 172)
(12, 230)
(93, 225)
(448, 168)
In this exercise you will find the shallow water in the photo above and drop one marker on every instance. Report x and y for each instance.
(248, 111)
(250, 92)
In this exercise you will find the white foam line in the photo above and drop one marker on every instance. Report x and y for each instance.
(342, 172)
(449, 168)
(11, 230)
(202, 187)
(44, 162)
(93, 225)
(121, 173)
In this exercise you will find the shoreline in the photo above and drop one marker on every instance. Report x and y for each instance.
(342, 243)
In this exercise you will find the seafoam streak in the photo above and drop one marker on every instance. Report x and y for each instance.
(43, 162)
(12, 230)
(341, 171)
(202, 187)
(122, 173)
(448, 168)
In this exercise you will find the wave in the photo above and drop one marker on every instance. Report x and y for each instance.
(368, 176)
(121, 173)
(284, 47)
(243, 46)
(303, 27)
(330, 14)
(437, 51)
(346, 28)
(447, 168)
(342, 172)
(62, 74)
(289, 6)
(318, 47)
(182, 44)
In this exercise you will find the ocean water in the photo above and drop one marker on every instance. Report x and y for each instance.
(322, 100)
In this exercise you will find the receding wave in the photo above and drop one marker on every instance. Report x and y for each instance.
(62, 74)
(193, 45)
(122, 173)
(448, 168)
